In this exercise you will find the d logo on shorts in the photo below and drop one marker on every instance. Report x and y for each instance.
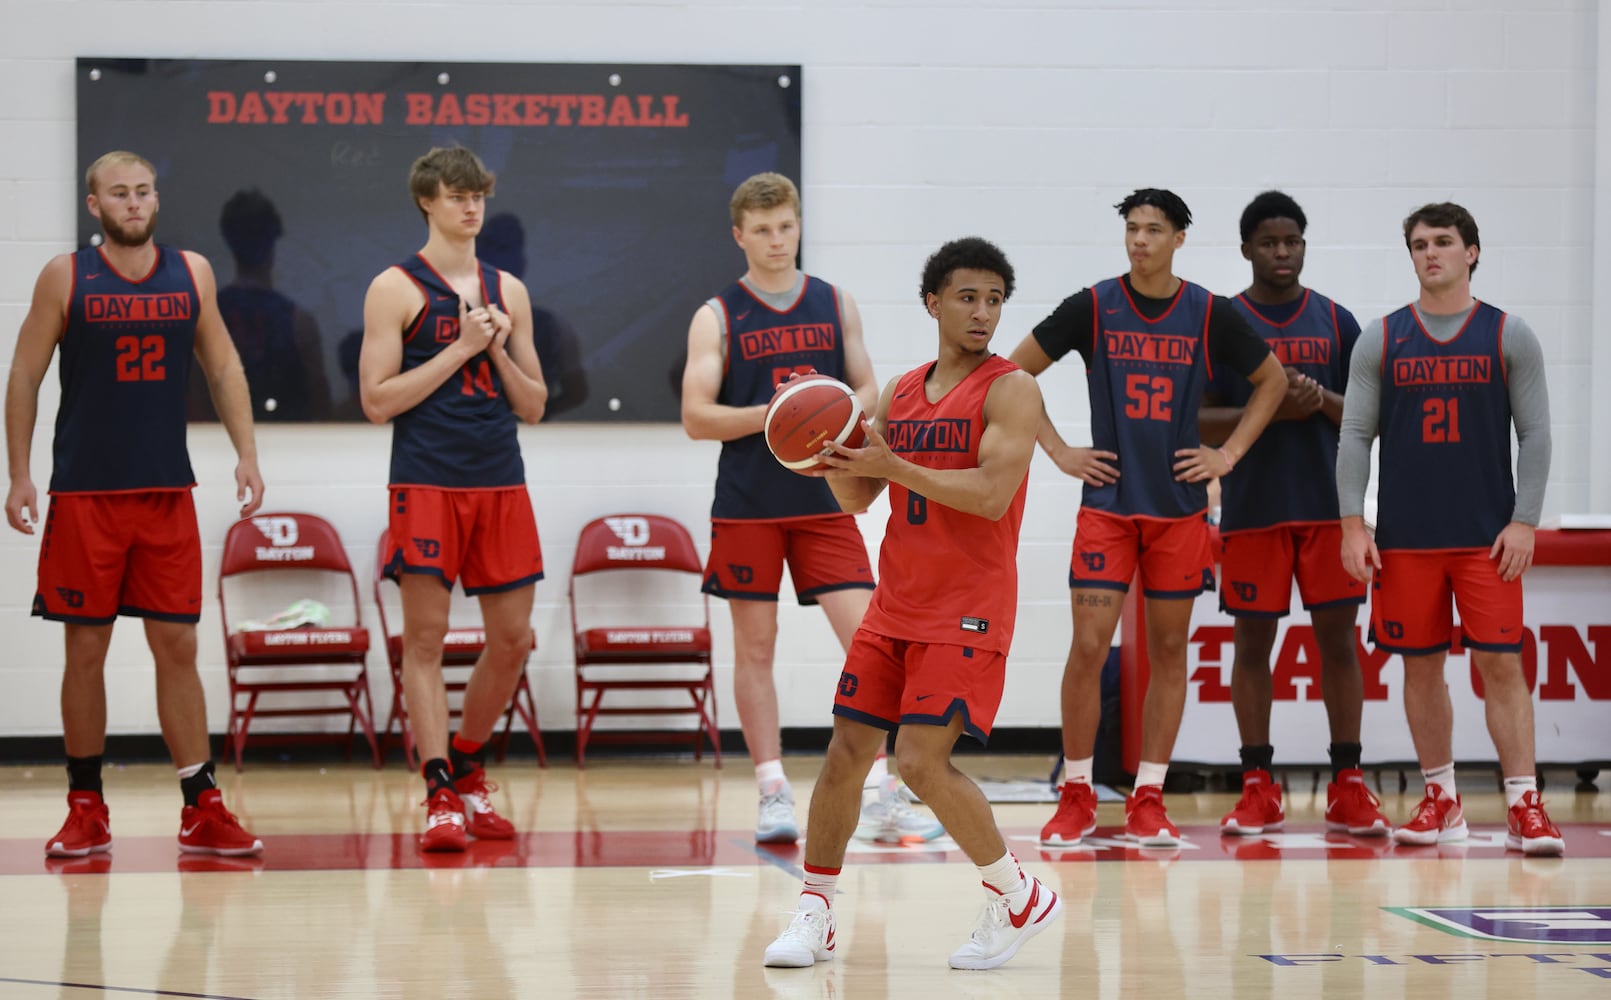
(848, 685)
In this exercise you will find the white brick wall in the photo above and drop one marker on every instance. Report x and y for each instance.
(1023, 122)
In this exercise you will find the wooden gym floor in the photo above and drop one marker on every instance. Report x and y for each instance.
(640, 878)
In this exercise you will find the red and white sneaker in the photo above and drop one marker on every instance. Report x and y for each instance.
(482, 821)
(1350, 806)
(1001, 930)
(1259, 810)
(806, 941)
(88, 829)
(1438, 819)
(208, 828)
(1145, 820)
(444, 823)
(1075, 818)
(1531, 830)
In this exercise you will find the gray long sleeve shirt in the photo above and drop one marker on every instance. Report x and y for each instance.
(1529, 409)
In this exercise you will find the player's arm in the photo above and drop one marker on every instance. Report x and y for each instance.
(514, 352)
(226, 383)
(1529, 409)
(1071, 326)
(858, 366)
(1331, 403)
(1011, 415)
(1361, 413)
(384, 388)
(1304, 397)
(1231, 341)
(41, 331)
(854, 491)
(703, 418)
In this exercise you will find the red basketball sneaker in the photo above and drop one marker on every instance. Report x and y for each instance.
(88, 829)
(1437, 819)
(483, 822)
(1350, 806)
(1531, 831)
(1146, 821)
(1259, 810)
(444, 823)
(208, 828)
(1075, 818)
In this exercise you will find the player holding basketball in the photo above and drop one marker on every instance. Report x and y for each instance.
(121, 536)
(1441, 381)
(1279, 521)
(448, 356)
(952, 440)
(773, 323)
(1151, 342)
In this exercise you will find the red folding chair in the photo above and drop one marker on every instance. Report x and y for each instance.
(636, 618)
(269, 561)
(461, 647)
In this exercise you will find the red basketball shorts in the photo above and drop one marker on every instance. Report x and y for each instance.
(110, 554)
(485, 539)
(824, 554)
(1257, 569)
(1175, 555)
(889, 683)
(1414, 595)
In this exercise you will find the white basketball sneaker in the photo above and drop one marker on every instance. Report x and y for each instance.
(1002, 930)
(775, 823)
(807, 940)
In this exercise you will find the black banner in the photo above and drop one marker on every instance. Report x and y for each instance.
(292, 178)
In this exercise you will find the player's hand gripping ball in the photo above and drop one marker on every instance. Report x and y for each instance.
(805, 414)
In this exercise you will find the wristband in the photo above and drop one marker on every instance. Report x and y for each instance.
(1230, 463)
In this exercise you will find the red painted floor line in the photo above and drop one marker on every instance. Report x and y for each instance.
(733, 848)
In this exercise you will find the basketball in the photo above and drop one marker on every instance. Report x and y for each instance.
(808, 412)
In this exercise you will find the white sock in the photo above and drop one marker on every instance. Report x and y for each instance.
(191, 771)
(1149, 773)
(1515, 788)
(769, 776)
(1078, 770)
(818, 888)
(1443, 777)
(1005, 876)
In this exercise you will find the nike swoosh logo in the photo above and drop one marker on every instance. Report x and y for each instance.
(1109, 312)
(188, 830)
(1021, 918)
(92, 277)
(1505, 631)
(444, 298)
(743, 315)
(923, 697)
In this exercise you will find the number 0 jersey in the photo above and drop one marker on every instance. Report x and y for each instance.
(945, 576)
(125, 368)
(463, 435)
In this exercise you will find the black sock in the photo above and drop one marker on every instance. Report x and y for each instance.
(1258, 758)
(1344, 756)
(193, 786)
(437, 776)
(84, 774)
(464, 763)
